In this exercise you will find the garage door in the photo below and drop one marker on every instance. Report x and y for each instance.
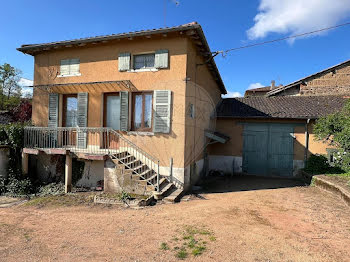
(268, 149)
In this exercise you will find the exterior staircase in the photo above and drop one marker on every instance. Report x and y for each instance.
(145, 172)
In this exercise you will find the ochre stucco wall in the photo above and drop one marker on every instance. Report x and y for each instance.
(203, 92)
(234, 129)
(100, 63)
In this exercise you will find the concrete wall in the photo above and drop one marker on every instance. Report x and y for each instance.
(92, 174)
(228, 157)
(4, 160)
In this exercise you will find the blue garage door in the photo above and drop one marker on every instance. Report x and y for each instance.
(268, 149)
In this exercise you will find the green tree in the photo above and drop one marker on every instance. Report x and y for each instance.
(10, 91)
(335, 128)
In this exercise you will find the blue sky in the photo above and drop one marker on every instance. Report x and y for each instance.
(226, 24)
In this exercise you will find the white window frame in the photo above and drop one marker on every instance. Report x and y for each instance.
(69, 65)
(144, 69)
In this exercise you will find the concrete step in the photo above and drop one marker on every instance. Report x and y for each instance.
(174, 197)
(134, 164)
(121, 154)
(127, 159)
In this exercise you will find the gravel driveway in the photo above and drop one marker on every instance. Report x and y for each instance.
(249, 222)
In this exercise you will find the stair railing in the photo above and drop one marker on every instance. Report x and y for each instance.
(127, 149)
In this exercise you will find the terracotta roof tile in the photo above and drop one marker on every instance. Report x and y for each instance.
(292, 107)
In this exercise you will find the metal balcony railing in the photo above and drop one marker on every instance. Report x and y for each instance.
(98, 141)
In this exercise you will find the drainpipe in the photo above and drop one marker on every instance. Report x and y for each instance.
(306, 141)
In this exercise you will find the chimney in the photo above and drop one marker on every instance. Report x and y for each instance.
(273, 84)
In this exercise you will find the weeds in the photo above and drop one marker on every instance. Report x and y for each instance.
(182, 254)
(192, 240)
(164, 246)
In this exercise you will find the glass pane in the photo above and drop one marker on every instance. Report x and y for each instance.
(143, 61)
(139, 61)
(72, 112)
(149, 60)
(138, 111)
(113, 112)
(148, 111)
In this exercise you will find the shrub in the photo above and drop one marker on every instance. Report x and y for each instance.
(52, 189)
(19, 186)
(318, 164)
(22, 112)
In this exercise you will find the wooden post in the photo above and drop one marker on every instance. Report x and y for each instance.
(171, 170)
(68, 174)
(25, 160)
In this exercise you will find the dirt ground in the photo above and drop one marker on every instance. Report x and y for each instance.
(252, 219)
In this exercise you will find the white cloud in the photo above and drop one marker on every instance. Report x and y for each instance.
(232, 94)
(297, 16)
(255, 85)
(24, 83)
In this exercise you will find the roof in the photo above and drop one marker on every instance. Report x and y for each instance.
(194, 30)
(260, 89)
(308, 78)
(257, 91)
(290, 107)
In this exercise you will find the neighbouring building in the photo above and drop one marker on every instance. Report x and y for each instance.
(271, 136)
(261, 91)
(331, 81)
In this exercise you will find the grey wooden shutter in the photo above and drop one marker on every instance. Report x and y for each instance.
(161, 59)
(82, 120)
(161, 108)
(53, 110)
(64, 69)
(53, 119)
(74, 67)
(124, 62)
(124, 111)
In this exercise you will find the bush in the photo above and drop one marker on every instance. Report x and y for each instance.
(19, 186)
(318, 164)
(22, 112)
(52, 189)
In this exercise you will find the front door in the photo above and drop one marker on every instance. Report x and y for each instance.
(112, 117)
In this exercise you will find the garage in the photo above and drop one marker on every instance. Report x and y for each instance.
(268, 149)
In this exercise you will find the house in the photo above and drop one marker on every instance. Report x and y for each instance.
(334, 80)
(261, 91)
(134, 107)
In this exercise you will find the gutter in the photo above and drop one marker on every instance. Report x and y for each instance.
(306, 141)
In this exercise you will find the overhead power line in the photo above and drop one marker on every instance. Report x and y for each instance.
(224, 52)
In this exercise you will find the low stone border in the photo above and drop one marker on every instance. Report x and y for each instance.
(129, 203)
(322, 182)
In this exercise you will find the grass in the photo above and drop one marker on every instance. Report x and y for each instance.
(345, 176)
(192, 240)
(164, 246)
(62, 200)
(182, 254)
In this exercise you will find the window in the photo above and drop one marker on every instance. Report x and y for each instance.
(70, 107)
(70, 67)
(192, 111)
(144, 61)
(142, 111)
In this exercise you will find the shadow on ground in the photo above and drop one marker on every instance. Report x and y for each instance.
(236, 183)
